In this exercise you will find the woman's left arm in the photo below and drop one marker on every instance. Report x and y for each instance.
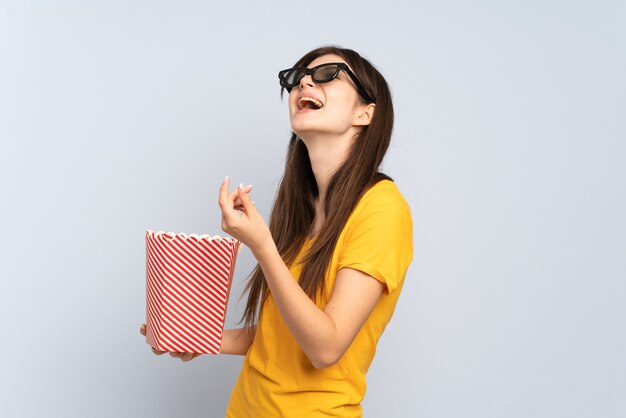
(324, 335)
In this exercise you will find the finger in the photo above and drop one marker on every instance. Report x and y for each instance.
(175, 354)
(236, 207)
(187, 356)
(237, 201)
(246, 200)
(142, 329)
(223, 195)
(228, 206)
(234, 195)
(239, 206)
(246, 189)
(158, 352)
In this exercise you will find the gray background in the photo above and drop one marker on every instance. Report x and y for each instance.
(120, 116)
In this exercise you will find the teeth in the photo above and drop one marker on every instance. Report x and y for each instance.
(316, 102)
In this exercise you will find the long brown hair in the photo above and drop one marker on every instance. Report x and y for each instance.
(293, 211)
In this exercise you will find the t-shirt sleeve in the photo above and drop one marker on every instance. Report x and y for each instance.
(379, 241)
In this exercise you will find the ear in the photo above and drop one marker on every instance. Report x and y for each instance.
(363, 115)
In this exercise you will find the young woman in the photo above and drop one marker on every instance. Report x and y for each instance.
(333, 259)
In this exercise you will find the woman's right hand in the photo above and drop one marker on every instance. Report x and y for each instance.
(241, 220)
(182, 356)
(142, 331)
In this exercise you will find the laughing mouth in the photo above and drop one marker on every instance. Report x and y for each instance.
(309, 103)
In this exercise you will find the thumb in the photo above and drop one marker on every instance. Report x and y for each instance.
(245, 199)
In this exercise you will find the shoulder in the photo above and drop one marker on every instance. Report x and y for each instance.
(378, 236)
(382, 204)
(382, 195)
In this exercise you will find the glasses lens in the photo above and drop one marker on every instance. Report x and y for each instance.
(293, 76)
(326, 73)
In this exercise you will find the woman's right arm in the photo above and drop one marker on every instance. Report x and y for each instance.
(237, 341)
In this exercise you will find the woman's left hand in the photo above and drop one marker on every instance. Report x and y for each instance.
(240, 218)
(182, 356)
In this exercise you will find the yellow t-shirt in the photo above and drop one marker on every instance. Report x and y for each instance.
(277, 378)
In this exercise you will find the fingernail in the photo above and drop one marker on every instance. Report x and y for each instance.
(241, 186)
(249, 185)
(253, 202)
(225, 178)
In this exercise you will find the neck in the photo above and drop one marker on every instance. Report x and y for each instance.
(326, 154)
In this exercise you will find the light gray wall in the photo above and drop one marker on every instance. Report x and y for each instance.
(118, 116)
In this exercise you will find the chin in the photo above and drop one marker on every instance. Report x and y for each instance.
(302, 128)
(303, 135)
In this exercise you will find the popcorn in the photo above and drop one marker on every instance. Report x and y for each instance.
(187, 287)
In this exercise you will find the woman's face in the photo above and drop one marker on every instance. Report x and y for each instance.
(339, 101)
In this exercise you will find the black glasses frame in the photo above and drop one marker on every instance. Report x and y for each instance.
(311, 71)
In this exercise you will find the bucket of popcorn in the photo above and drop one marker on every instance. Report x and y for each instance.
(187, 287)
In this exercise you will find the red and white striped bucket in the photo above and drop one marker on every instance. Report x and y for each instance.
(187, 286)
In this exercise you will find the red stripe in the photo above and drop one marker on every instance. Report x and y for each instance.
(163, 306)
(168, 257)
(176, 292)
(185, 254)
(209, 284)
(213, 252)
(180, 305)
(218, 271)
(197, 254)
(204, 301)
(176, 280)
(179, 333)
(185, 330)
(187, 284)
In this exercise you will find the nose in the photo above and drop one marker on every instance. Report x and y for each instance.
(307, 80)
